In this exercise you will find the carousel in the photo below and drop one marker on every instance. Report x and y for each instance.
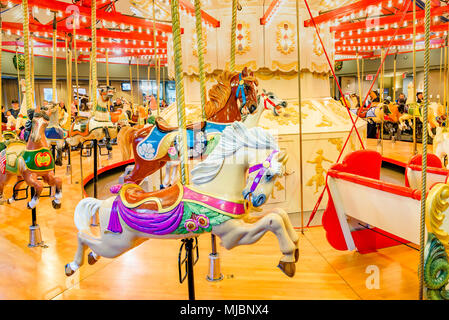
(223, 133)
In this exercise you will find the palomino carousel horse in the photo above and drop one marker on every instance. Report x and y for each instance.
(97, 127)
(133, 216)
(55, 133)
(31, 161)
(22, 117)
(266, 101)
(151, 144)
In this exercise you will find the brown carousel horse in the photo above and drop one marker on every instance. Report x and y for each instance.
(234, 94)
(31, 160)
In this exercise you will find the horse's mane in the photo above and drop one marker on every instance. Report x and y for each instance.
(220, 92)
(233, 138)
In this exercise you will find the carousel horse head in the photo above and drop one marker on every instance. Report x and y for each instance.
(262, 177)
(106, 92)
(39, 122)
(374, 96)
(244, 89)
(272, 101)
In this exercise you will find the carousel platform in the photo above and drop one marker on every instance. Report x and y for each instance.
(150, 271)
(397, 153)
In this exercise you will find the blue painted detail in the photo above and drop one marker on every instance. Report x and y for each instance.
(196, 139)
(54, 133)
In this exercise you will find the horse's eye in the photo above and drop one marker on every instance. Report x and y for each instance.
(269, 177)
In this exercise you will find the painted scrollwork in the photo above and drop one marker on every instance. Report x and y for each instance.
(285, 37)
(243, 38)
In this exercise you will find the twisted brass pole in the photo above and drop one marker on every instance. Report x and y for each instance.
(202, 75)
(233, 35)
(94, 51)
(179, 79)
(26, 49)
(301, 169)
(53, 77)
(424, 148)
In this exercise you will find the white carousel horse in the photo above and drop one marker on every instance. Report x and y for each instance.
(98, 126)
(213, 203)
(22, 116)
(266, 101)
(54, 132)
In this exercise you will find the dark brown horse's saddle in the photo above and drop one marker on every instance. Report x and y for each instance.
(163, 126)
(159, 200)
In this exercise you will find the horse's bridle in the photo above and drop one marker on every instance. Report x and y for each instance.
(266, 101)
(262, 168)
(241, 90)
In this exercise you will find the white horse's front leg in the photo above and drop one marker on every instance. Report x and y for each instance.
(289, 227)
(236, 232)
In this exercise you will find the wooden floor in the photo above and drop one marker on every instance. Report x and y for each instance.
(400, 151)
(150, 270)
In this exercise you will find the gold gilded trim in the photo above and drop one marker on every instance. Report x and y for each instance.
(436, 206)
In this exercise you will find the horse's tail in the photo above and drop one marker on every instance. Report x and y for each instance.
(84, 211)
(125, 141)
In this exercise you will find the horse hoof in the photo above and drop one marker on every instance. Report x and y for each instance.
(29, 207)
(289, 268)
(68, 270)
(91, 259)
(296, 255)
(58, 163)
(56, 205)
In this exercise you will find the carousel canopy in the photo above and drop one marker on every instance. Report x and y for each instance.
(125, 27)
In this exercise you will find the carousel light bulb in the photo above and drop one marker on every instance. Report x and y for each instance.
(9, 4)
(47, 12)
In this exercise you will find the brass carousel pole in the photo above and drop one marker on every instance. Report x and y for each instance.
(415, 147)
(156, 63)
(427, 22)
(137, 80)
(35, 234)
(446, 88)
(179, 78)
(301, 179)
(26, 53)
(214, 258)
(53, 77)
(131, 84)
(445, 72)
(76, 66)
(441, 73)
(18, 76)
(233, 34)
(382, 101)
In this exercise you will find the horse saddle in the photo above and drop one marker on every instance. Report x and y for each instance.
(80, 126)
(13, 151)
(134, 197)
(115, 115)
(163, 126)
